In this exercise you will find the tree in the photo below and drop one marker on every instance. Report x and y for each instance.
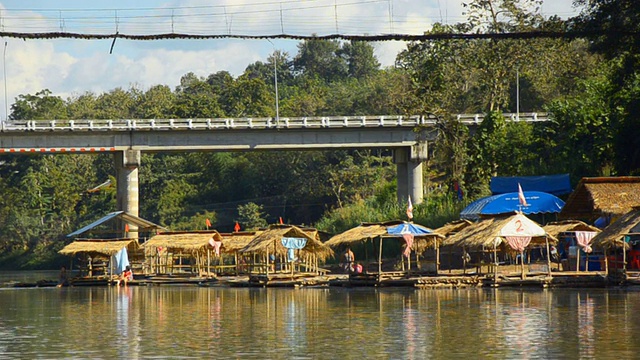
(252, 216)
(41, 106)
(156, 103)
(361, 62)
(320, 58)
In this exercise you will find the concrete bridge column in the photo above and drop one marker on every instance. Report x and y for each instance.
(127, 163)
(409, 172)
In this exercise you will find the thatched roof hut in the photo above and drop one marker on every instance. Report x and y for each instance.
(371, 230)
(452, 227)
(613, 235)
(94, 247)
(269, 241)
(558, 227)
(361, 233)
(187, 242)
(602, 196)
(484, 232)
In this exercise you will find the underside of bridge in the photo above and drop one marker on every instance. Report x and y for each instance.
(408, 162)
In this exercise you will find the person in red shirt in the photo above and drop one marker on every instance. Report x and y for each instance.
(126, 276)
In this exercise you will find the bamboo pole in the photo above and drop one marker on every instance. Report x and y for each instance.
(208, 263)
(606, 263)
(522, 275)
(435, 245)
(495, 261)
(235, 258)
(380, 259)
(546, 239)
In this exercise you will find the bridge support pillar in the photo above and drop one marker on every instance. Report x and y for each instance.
(409, 172)
(127, 163)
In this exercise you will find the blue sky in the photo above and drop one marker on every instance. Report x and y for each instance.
(71, 67)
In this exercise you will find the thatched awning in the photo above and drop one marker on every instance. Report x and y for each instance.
(452, 227)
(597, 196)
(613, 235)
(181, 241)
(270, 241)
(99, 247)
(484, 232)
(558, 227)
(361, 233)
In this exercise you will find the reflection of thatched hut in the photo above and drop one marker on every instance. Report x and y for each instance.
(175, 251)
(488, 238)
(97, 253)
(269, 242)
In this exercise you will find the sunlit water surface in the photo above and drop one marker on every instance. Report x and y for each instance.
(334, 323)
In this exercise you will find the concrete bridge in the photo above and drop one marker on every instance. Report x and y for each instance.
(407, 136)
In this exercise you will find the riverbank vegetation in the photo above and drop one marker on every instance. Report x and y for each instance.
(591, 86)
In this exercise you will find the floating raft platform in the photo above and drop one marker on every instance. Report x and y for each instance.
(281, 280)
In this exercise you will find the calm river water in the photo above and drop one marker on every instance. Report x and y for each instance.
(334, 323)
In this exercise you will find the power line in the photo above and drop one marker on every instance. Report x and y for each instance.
(382, 37)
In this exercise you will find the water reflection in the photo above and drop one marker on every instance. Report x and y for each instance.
(190, 322)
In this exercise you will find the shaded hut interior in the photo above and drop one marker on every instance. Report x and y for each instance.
(92, 257)
(266, 253)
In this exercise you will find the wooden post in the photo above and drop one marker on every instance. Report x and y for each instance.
(522, 275)
(380, 259)
(577, 258)
(464, 260)
(606, 263)
(437, 248)
(495, 261)
(268, 264)
(208, 262)
(235, 258)
(546, 239)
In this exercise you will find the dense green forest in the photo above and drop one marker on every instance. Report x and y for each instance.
(591, 86)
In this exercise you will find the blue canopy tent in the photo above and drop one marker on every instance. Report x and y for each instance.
(408, 228)
(409, 231)
(539, 203)
(553, 184)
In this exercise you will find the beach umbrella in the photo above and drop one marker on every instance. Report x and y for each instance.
(537, 203)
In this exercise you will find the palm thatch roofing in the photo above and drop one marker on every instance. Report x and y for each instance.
(367, 231)
(269, 241)
(453, 227)
(360, 233)
(484, 232)
(233, 242)
(597, 196)
(99, 247)
(558, 227)
(194, 241)
(613, 235)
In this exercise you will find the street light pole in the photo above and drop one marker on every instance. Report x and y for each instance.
(275, 80)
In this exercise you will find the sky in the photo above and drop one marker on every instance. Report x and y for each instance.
(71, 67)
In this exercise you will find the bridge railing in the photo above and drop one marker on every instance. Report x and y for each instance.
(247, 123)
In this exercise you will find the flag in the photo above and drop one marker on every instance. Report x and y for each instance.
(410, 209)
(458, 190)
(126, 227)
(208, 223)
(281, 223)
(521, 198)
(237, 227)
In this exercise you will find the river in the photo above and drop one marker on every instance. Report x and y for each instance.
(169, 322)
